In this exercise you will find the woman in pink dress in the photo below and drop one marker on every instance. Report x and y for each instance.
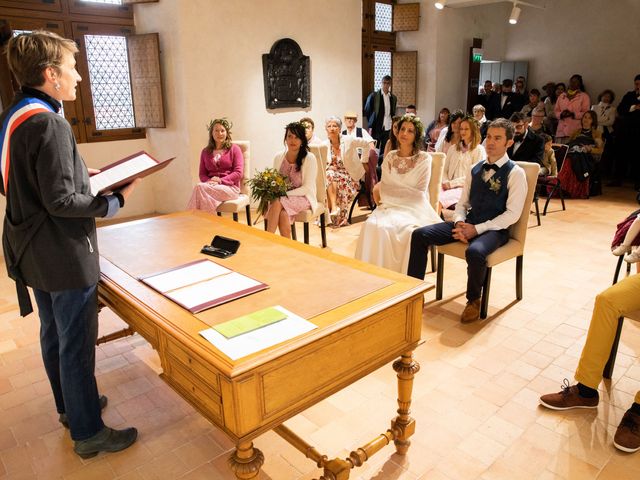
(433, 130)
(301, 168)
(221, 167)
(569, 109)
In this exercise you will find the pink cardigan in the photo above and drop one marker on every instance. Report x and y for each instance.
(578, 105)
(229, 167)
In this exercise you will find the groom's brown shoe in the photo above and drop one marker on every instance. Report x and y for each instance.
(471, 312)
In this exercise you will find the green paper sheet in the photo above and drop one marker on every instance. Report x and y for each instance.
(250, 322)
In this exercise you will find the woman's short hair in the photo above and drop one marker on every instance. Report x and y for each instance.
(478, 108)
(476, 138)
(333, 118)
(546, 138)
(227, 124)
(418, 125)
(604, 92)
(29, 54)
(308, 120)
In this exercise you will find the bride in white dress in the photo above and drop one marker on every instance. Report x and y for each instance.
(403, 201)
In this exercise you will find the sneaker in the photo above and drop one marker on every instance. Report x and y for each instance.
(471, 312)
(63, 416)
(106, 440)
(633, 257)
(568, 398)
(627, 437)
(621, 250)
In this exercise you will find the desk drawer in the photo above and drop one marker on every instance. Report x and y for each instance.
(195, 390)
(189, 361)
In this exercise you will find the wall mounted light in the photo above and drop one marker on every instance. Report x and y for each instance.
(440, 5)
(515, 14)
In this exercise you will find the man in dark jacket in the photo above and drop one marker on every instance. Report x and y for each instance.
(527, 145)
(627, 131)
(505, 104)
(379, 108)
(49, 237)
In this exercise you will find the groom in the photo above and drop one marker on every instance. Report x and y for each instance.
(492, 199)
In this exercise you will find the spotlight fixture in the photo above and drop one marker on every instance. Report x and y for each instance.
(515, 14)
(440, 5)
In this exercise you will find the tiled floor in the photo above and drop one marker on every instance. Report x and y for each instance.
(475, 398)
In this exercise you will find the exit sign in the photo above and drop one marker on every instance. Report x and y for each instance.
(477, 55)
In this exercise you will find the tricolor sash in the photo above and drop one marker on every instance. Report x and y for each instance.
(19, 113)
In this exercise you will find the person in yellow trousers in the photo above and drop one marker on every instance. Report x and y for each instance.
(611, 304)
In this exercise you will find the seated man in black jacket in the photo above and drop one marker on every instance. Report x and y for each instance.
(527, 145)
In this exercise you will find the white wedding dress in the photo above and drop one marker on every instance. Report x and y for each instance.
(385, 238)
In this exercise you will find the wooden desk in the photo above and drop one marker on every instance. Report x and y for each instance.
(366, 318)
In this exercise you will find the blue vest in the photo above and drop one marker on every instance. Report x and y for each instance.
(488, 199)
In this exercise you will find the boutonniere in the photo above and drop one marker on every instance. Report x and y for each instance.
(495, 185)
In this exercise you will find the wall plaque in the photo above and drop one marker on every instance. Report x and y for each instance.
(287, 78)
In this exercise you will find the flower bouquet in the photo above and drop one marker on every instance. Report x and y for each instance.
(266, 186)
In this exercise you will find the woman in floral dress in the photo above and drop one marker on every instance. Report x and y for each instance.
(300, 167)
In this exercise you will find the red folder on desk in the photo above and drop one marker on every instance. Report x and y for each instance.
(121, 173)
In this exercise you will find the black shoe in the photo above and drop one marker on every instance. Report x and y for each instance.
(63, 416)
(106, 440)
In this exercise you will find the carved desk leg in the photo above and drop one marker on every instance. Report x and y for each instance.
(403, 425)
(246, 461)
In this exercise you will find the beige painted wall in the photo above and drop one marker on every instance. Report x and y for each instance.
(212, 65)
(598, 39)
(443, 43)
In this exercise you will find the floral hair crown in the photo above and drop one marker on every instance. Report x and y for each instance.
(409, 117)
(226, 123)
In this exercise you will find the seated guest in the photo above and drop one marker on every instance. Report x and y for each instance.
(535, 104)
(606, 112)
(479, 115)
(344, 170)
(527, 146)
(402, 197)
(450, 135)
(301, 168)
(549, 165)
(537, 124)
(551, 121)
(584, 142)
(460, 158)
(569, 109)
(221, 167)
(410, 110)
(435, 127)
(492, 200)
(549, 90)
(351, 128)
(628, 236)
(392, 143)
(309, 126)
(611, 304)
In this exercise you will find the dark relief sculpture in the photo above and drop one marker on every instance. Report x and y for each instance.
(287, 79)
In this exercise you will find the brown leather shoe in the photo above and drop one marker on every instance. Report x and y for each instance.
(471, 312)
(568, 398)
(627, 437)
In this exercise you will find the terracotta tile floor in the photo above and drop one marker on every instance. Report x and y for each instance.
(475, 398)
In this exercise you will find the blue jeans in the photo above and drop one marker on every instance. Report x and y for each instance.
(68, 333)
(479, 249)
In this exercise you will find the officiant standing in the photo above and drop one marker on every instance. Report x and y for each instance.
(49, 238)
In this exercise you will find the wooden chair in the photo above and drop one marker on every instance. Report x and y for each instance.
(244, 199)
(435, 183)
(320, 152)
(514, 248)
(608, 368)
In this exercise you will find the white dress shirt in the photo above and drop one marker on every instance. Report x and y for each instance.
(517, 186)
(386, 121)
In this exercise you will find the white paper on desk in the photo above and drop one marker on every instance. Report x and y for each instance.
(218, 287)
(256, 340)
(181, 277)
(121, 171)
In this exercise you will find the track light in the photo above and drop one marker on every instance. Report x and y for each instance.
(440, 5)
(515, 14)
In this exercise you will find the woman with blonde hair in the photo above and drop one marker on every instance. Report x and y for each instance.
(460, 157)
(221, 168)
